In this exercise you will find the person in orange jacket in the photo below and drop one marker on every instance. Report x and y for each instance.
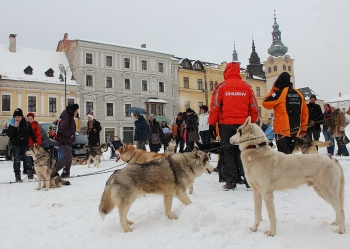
(36, 128)
(233, 101)
(290, 111)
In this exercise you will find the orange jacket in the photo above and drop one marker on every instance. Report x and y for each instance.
(233, 100)
(290, 110)
(36, 128)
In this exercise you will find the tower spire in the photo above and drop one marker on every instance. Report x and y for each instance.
(235, 54)
(277, 47)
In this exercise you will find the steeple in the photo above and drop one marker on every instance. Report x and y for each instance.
(255, 67)
(277, 48)
(235, 54)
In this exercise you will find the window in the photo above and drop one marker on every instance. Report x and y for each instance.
(160, 67)
(186, 64)
(186, 82)
(6, 103)
(289, 68)
(198, 66)
(109, 109)
(127, 83)
(49, 73)
(161, 87)
(28, 70)
(70, 101)
(89, 107)
(284, 67)
(187, 104)
(153, 108)
(52, 104)
(144, 65)
(127, 114)
(269, 70)
(259, 111)
(88, 80)
(108, 61)
(200, 84)
(258, 91)
(126, 62)
(31, 104)
(160, 110)
(275, 68)
(88, 58)
(211, 86)
(144, 85)
(109, 82)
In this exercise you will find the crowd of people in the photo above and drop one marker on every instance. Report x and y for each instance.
(292, 118)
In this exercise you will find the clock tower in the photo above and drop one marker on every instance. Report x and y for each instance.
(278, 61)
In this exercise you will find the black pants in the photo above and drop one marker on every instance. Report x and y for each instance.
(66, 162)
(180, 140)
(205, 136)
(285, 144)
(231, 155)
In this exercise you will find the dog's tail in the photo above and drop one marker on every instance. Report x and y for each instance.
(342, 183)
(106, 205)
(322, 144)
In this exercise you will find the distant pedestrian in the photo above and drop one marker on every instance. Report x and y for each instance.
(155, 134)
(192, 129)
(19, 132)
(327, 124)
(203, 125)
(338, 130)
(141, 131)
(93, 130)
(268, 132)
(36, 129)
(167, 135)
(178, 129)
(315, 120)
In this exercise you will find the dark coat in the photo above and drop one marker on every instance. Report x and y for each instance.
(19, 135)
(316, 115)
(192, 122)
(141, 133)
(154, 127)
(66, 129)
(94, 133)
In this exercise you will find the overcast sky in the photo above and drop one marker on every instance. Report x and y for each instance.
(316, 32)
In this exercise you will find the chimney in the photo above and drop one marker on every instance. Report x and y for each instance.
(339, 94)
(12, 43)
(143, 46)
(65, 36)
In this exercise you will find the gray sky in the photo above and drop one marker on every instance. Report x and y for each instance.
(316, 32)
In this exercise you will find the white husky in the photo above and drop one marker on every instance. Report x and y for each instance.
(268, 170)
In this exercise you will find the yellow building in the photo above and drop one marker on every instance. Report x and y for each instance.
(30, 79)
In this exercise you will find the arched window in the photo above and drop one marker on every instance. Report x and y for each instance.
(289, 68)
(198, 66)
(186, 64)
(269, 70)
(284, 68)
(275, 68)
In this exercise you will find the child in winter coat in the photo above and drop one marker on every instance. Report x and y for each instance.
(267, 129)
(36, 129)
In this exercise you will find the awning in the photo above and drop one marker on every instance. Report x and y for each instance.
(156, 101)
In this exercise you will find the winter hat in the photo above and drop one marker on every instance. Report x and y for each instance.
(18, 112)
(90, 115)
(71, 108)
(283, 81)
(313, 96)
(30, 114)
(189, 110)
(151, 116)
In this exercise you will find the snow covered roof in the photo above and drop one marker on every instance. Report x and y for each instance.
(344, 97)
(12, 65)
(307, 91)
(153, 100)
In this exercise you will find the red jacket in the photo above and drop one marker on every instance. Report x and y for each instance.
(233, 100)
(36, 128)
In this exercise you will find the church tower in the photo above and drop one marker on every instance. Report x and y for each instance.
(278, 61)
(255, 68)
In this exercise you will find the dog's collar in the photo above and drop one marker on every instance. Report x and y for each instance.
(131, 157)
(188, 164)
(256, 145)
(38, 158)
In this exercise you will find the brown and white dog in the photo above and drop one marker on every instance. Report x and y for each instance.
(308, 147)
(95, 154)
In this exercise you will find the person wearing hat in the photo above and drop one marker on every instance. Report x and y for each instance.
(19, 132)
(66, 138)
(337, 128)
(290, 112)
(177, 130)
(155, 134)
(36, 128)
(315, 120)
(93, 130)
(141, 131)
(192, 129)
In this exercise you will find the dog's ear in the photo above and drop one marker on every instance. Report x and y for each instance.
(248, 121)
(123, 148)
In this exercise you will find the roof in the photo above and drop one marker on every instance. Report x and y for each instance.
(12, 65)
(307, 91)
(344, 97)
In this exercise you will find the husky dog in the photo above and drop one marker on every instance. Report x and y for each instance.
(128, 153)
(95, 154)
(169, 176)
(171, 147)
(308, 147)
(268, 170)
(45, 167)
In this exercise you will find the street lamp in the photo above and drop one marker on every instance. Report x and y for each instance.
(63, 76)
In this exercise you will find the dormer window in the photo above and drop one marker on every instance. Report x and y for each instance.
(186, 64)
(28, 70)
(198, 66)
(49, 73)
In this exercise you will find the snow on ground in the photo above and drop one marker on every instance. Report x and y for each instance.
(68, 217)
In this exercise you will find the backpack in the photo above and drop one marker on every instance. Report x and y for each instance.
(52, 132)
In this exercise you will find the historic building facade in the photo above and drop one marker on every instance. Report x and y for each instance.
(31, 80)
(113, 78)
(278, 61)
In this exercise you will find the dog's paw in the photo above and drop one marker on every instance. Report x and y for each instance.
(130, 222)
(128, 230)
(37, 188)
(254, 228)
(46, 189)
(340, 230)
(172, 216)
(270, 233)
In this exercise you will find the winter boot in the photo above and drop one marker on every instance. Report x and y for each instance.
(18, 177)
(65, 173)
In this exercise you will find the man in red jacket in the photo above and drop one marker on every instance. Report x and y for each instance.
(232, 102)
